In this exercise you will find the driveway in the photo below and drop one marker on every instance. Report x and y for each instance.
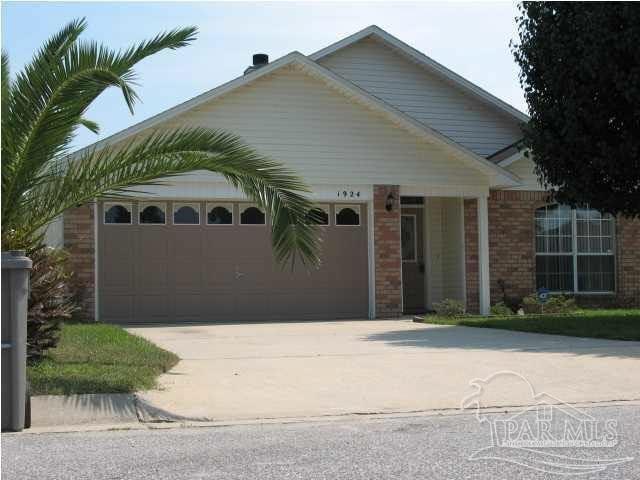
(277, 370)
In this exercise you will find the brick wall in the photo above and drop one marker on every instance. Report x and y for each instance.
(79, 241)
(512, 249)
(511, 241)
(388, 259)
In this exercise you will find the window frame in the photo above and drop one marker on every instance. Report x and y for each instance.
(352, 206)
(574, 254)
(245, 206)
(143, 205)
(228, 206)
(108, 205)
(178, 205)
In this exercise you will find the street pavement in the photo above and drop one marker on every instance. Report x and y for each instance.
(368, 447)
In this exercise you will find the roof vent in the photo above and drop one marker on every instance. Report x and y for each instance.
(259, 60)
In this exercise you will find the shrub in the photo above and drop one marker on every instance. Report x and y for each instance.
(501, 309)
(555, 304)
(560, 304)
(50, 299)
(449, 308)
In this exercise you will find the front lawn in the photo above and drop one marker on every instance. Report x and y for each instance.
(612, 324)
(98, 358)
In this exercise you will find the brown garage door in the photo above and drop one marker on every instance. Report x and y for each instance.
(216, 271)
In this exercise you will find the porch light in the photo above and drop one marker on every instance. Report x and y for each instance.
(389, 203)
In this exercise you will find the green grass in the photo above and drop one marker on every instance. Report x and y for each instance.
(97, 358)
(612, 324)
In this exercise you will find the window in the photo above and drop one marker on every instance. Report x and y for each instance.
(574, 250)
(252, 215)
(319, 215)
(117, 213)
(408, 238)
(347, 215)
(152, 214)
(219, 214)
(186, 214)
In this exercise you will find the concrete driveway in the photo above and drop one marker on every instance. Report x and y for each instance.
(258, 371)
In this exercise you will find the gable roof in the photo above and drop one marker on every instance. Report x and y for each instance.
(426, 62)
(499, 176)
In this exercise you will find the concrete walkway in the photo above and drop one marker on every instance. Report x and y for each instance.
(258, 371)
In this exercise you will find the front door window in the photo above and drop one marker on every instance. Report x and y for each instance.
(408, 235)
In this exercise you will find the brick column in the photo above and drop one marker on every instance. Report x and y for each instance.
(388, 260)
(79, 242)
(628, 261)
(471, 265)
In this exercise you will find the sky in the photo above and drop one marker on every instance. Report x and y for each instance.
(472, 39)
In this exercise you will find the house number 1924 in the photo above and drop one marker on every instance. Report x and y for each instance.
(348, 194)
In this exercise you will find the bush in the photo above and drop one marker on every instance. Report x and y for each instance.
(449, 308)
(555, 304)
(560, 304)
(50, 299)
(501, 309)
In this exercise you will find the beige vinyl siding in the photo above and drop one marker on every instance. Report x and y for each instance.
(326, 137)
(446, 249)
(524, 169)
(402, 83)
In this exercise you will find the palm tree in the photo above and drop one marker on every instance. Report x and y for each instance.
(44, 105)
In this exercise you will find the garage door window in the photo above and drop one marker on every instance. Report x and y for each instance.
(152, 214)
(186, 214)
(319, 215)
(348, 215)
(219, 214)
(251, 215)
(117, 213)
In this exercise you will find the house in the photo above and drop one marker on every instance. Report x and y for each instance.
(424, 192)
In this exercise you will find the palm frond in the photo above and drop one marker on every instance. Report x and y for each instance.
(52, 94)
(161, 155)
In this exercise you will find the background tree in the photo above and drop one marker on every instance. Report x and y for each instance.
(44, 105)
(580, 70)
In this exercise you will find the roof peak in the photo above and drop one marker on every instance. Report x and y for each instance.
(426, 62)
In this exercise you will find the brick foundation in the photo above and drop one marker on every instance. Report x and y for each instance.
(388, 261)
(79, 242)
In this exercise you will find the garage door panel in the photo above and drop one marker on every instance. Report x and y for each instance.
(152, 308)
(219, 306)
(117, 308)
(152, 242)
(225, 273)
(118, 276)
(187, 242)
(117, 242)
(189, 307)
(253, 305)
(218, 273)
(152, 275)
(188, 274)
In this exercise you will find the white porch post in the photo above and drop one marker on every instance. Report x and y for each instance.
(483, 255)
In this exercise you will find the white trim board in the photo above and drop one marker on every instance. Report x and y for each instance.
(427, 63)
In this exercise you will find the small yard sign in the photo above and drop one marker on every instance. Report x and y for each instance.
(543, 295)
